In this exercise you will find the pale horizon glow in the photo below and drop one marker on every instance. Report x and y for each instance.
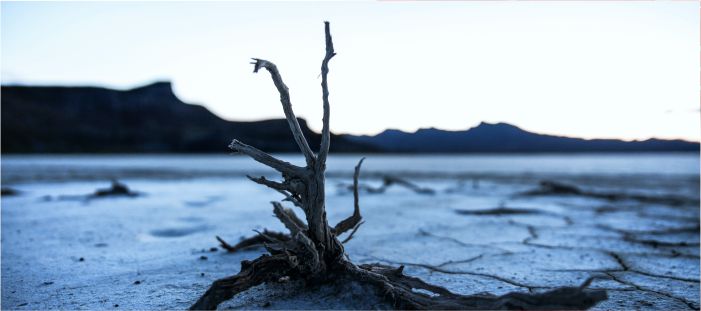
(627, 70)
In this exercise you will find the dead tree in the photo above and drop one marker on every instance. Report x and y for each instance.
(313, 252)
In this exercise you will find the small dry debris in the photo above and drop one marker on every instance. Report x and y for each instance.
(116, 189)
(9, 191)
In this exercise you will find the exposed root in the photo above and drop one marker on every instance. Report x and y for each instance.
(254, 241)
(500, 211)
(402, 291)
(407, 292)
(555, 188)
(264, 269)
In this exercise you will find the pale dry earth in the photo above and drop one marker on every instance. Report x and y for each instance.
(154, 251)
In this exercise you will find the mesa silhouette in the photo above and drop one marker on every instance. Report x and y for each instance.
(507, 138)
(148, 119)
(151, 119)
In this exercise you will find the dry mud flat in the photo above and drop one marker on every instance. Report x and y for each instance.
(155, 250)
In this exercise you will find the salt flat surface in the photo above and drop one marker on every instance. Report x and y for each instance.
(154, 251)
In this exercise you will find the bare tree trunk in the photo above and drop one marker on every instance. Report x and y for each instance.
(312, 251)
(305, 185)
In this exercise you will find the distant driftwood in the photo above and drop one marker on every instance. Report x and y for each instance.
(116, 189)
(551, 188)
(7, 191)
(388, 181)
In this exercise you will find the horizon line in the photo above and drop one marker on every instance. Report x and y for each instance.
(170, 83)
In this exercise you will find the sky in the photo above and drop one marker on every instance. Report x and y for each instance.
(603, 69)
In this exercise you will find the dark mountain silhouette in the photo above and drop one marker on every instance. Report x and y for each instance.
(144, 119)
(153, 119)
(503, 137)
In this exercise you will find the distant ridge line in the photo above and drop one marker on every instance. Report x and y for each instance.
(151, 119)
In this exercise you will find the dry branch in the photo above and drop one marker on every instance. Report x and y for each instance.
(325, 131)
(264, 158)
(353, 220)
(289, 219)
(312, 251)
(254, 241)
(271, 184)
(391, 180)
(388, 181)
(286, 107)
(290, 198)
(350, 235)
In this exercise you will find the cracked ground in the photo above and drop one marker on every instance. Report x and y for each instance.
(645, 255)
(473, 235)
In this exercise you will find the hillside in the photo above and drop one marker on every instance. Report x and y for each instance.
(503, 137)
(145, 119)
(151, 119)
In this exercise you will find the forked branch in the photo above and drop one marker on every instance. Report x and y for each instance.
(325, 131)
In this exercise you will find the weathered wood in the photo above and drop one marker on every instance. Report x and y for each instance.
(305, 188)
(326, 131)
(264, 269)
(312, 251)
(401, 291)
(350, 235)
(290, 198)
(272, 184)
(388, 181)
(254, 241)
(352, 221)
(264, 158)
(287, 108)
(292, 223)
